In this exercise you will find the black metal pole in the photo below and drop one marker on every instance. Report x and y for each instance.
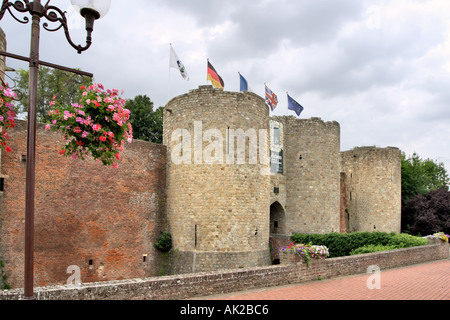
(46, 64)
(31, 154)
(51, 13)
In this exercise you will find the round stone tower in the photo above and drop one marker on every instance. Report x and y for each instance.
(312, 175)
(218, 204)
(373, 189)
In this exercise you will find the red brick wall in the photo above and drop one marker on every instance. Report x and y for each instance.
(202, 284)
(343, 205)
(100, 219)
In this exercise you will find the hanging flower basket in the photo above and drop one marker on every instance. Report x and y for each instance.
(97, 125)
(7, 115)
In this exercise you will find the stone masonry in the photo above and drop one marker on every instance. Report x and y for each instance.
(373, 183)
(228, 179)
(216, 210)
(218, 196)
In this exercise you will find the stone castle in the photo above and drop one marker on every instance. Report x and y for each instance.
(223, 211)
(226, 180)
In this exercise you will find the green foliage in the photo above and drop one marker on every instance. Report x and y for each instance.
(371, 248)
(343, 244)
(164, 243)
(421, 176)
(52, 82)
(406, 240)
(424, 200)
(3, 284)
(147, 123)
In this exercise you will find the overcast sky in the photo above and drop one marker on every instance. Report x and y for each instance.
(381, 68)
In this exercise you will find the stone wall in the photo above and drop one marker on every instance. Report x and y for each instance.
(217, 185)
(203, 284)
(100, 219)
(312, 171)
(373, 188)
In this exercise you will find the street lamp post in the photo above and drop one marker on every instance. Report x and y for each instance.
(91, 10)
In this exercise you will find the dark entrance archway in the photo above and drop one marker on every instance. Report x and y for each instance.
(277, 219)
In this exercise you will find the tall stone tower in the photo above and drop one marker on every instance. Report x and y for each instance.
(218, 184)
(372, 178)
(313, 175)
(308, 185)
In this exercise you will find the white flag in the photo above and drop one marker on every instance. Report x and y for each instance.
(176, 63)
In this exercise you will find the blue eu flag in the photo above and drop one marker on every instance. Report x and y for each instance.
(294, 106)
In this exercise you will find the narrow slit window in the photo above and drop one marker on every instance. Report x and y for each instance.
(195, 236)
(228, 141)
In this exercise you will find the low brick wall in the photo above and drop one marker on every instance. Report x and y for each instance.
(203, 284)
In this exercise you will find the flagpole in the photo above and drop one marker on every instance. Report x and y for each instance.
(168, 86)
(287, 108)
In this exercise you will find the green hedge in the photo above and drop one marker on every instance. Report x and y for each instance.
(342, 244)
(372, 248)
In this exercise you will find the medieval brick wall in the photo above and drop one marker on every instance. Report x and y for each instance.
(218, 203)
(100, 219)
(373, 188)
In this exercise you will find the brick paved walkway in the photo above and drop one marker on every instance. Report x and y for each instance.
(429, 281)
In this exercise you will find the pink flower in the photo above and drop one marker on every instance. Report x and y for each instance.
(96, 127)
(47, 127)
(102, 138)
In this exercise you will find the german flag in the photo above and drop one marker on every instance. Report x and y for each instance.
(214, 77)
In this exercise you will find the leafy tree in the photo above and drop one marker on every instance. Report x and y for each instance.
(421, 176)
(147, 123)
(428, 214)
(52, 82)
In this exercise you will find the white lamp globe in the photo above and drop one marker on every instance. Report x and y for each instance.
(98, 8)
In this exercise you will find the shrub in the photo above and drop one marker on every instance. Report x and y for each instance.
(164, 242)
(372, 248)
(428, 213)
(343, 244)
(3, 284)
(405, 241)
